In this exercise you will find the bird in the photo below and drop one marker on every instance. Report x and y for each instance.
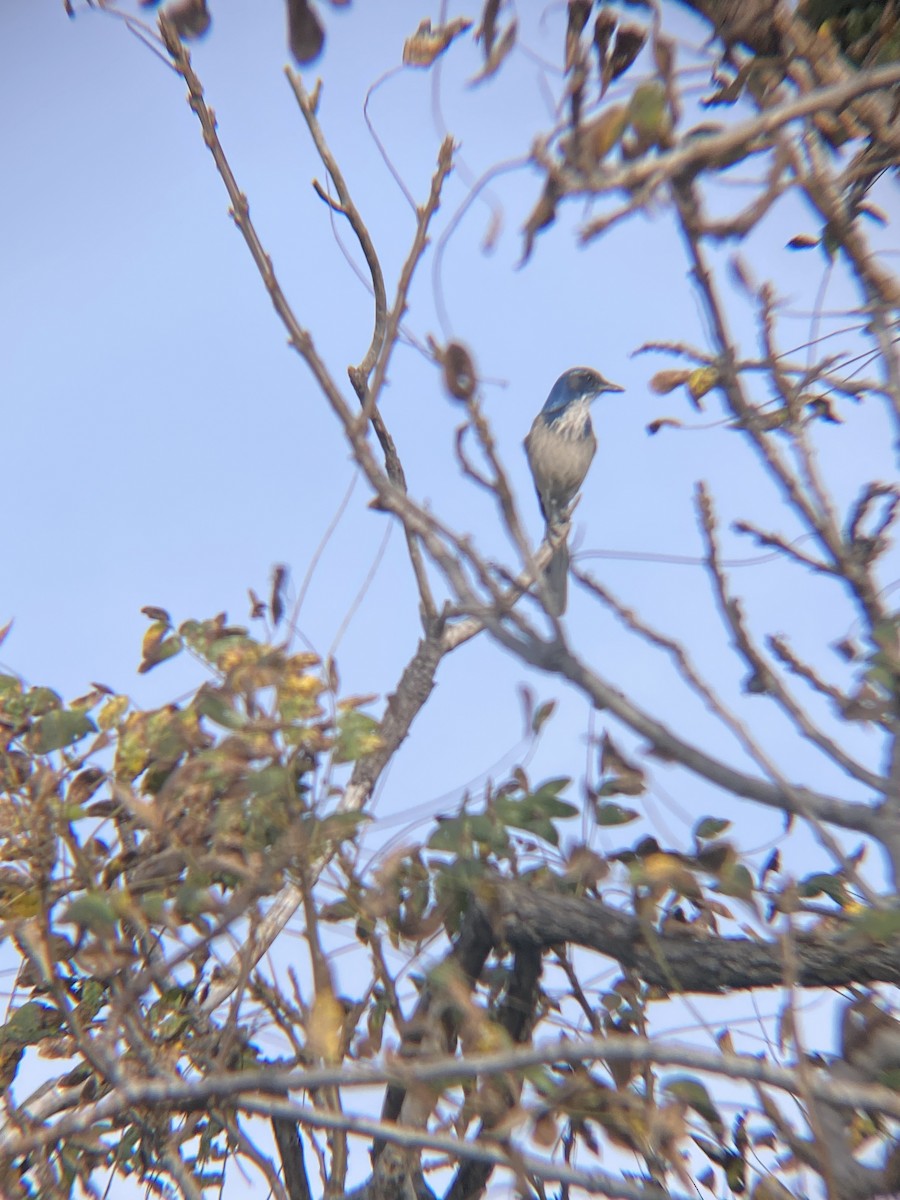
(560, 447)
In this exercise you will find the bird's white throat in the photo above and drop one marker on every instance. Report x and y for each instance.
(574, 421)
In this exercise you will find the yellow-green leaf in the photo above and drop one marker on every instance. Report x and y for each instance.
(60, 728)
(648, 112)
(357, 735)
(112, 712)
(701, 381)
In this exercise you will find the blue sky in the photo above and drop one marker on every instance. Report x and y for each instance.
(162, 445)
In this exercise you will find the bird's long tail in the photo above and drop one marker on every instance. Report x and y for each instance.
(557, 580)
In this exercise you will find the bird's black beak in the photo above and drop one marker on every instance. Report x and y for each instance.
(608, 386)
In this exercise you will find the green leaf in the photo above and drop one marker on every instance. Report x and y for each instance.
(692, 1092)
(456, 834)
(883, 676)
(153, 906)
(92, 912)
(552, 787)
(342, 825)
(30, 1024)
(535, 813)
(830, 885)
(487, 832)
(455, 883)
(10, 685)
(60, 728)
(614, 814)
(230, 643)
(357, 735)
(736, 881)
(448, 836)
(710, 827)
(40, 700)
(884, 633)
(192, 900)
(543, 713)
(272, 781)
(545, 830)
(91, 998)
(545, 800)
(213, 704)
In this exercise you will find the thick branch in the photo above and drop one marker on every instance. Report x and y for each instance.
(523, 915)
(516, 1016)
(403, 706)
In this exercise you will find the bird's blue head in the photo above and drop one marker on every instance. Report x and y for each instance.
(576, 384)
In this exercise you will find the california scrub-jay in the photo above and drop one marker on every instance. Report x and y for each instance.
(560, 447)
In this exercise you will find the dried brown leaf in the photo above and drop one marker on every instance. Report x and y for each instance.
(545, 1130)
(428, 44)
(803, 241)
(821, 407)
(586, 868)
(664, 382)
(604, 26)
(579, 12)
(190, 18)
(664, 56)
(276, 602)
(487, 30)
(156, 614)
(460, 376)
(663, 423)
(542, 215)
(629, 42)
(306, 36)
(257, 605)
(498, 54)
(587, 146)
(621, 776)
(770, 1188)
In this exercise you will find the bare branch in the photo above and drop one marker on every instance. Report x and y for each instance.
(764, 680)
(348, 208)
(240, 1087)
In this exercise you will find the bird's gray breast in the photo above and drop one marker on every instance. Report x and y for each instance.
(560, 452)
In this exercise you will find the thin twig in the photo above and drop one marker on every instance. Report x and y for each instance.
(765, 678)
(178, 1091)
(349, 210)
